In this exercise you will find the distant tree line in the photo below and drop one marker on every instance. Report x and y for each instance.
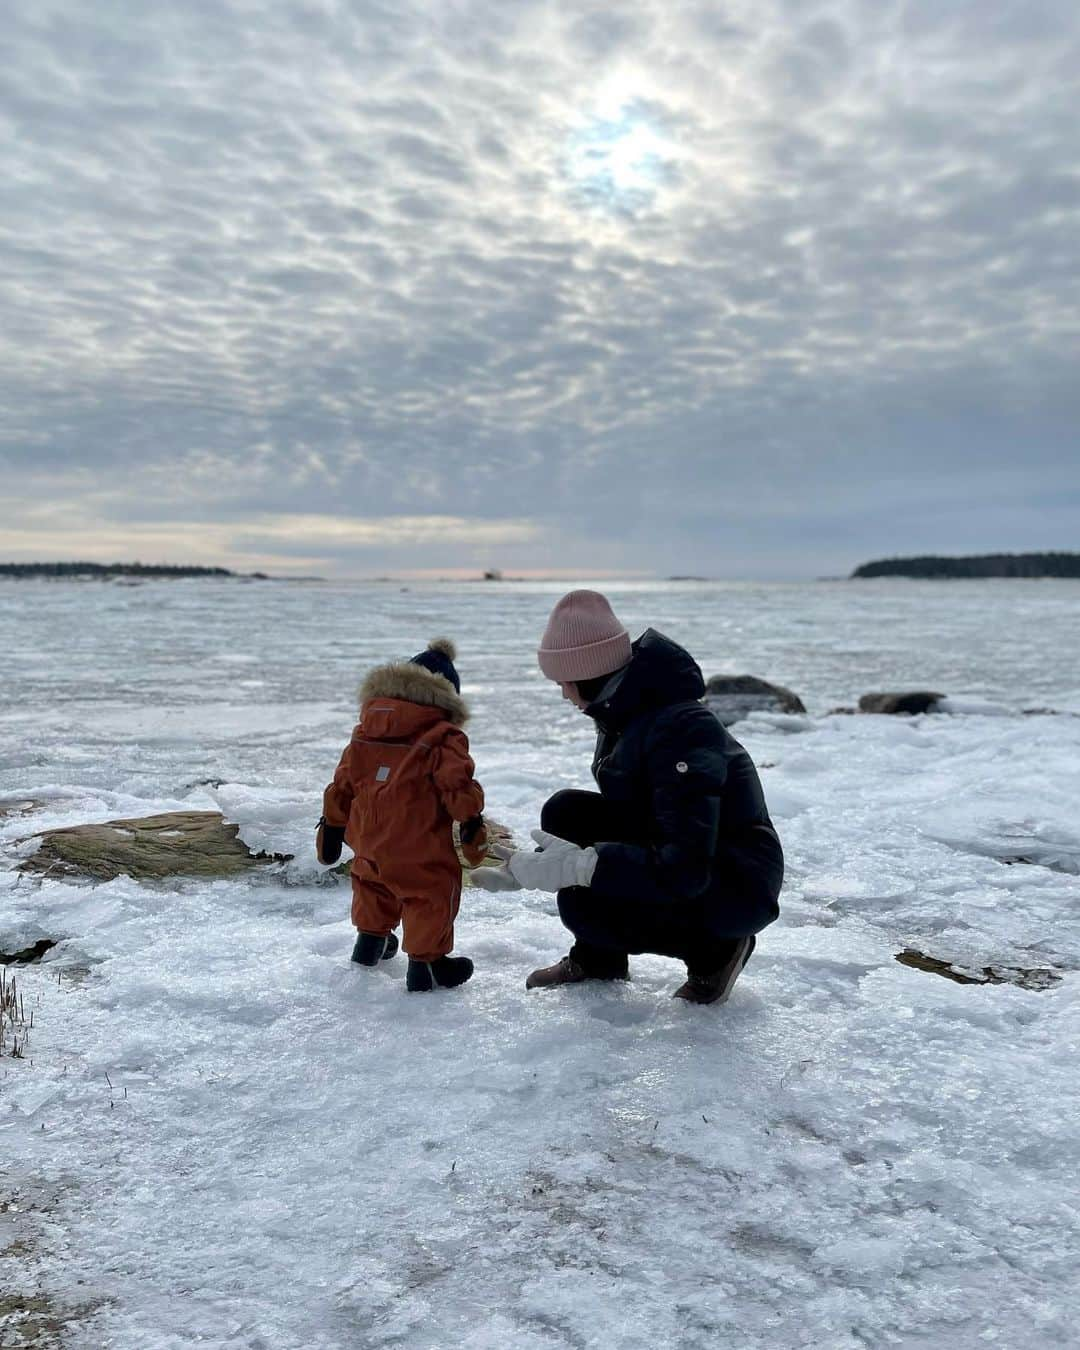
(102, 570)
(979, 565)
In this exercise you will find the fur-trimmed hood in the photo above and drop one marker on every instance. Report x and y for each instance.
(414, 684)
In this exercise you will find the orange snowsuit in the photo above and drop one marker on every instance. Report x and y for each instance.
(402, 780)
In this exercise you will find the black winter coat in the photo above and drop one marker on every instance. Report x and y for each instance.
(691, 794)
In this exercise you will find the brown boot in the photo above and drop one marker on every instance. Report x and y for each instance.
(582, 962)
(566, 971)
(714, 986)
(570, 971)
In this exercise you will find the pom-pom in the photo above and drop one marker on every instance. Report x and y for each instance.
(444, 645)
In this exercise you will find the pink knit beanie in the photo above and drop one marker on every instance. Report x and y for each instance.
(583, 639)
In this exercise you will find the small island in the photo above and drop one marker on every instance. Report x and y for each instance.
(932, 567)
(70, 571)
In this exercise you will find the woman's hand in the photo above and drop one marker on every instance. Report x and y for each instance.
(556, 864)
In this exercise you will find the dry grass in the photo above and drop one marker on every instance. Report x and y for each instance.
(14, 1023)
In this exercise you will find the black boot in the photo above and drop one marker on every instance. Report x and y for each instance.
(445, 973)
(713, 985)
(371, 948)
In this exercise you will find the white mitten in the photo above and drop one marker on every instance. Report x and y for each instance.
(556, 864)
(495, 878)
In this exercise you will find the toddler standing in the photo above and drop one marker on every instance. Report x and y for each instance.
(402, 781)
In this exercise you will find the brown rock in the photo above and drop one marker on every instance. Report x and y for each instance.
(917, 701)
(732, 697)
(1036, 978)
(148, 848)
(26, 956)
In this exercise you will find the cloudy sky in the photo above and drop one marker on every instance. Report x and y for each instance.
(736, 287)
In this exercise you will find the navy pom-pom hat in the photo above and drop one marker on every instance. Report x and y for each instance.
(439, 659)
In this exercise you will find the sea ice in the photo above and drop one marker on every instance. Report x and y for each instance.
(236, 1139)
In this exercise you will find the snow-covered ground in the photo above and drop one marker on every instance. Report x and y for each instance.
(228, 1136)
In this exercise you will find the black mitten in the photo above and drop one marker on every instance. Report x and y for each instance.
(470, 828)
(328, 841)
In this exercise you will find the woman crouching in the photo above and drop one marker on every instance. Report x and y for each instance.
(676, 853)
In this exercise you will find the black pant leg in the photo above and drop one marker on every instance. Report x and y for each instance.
(584, 818)
(616, 924)
(587, 818)
(606, 928)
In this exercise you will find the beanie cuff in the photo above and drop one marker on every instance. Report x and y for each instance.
(567, 665)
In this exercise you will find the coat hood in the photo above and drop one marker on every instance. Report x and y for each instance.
(413, 684)
(660, 673)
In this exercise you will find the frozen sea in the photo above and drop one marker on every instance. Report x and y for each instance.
(227, 1136)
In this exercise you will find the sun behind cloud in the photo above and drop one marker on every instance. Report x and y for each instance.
(618, 157)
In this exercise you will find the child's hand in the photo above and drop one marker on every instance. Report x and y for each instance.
(328, 841)
(469, 829)
(476, 852)
(474, 840)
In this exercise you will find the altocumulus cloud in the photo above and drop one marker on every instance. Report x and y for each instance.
(741, 287)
